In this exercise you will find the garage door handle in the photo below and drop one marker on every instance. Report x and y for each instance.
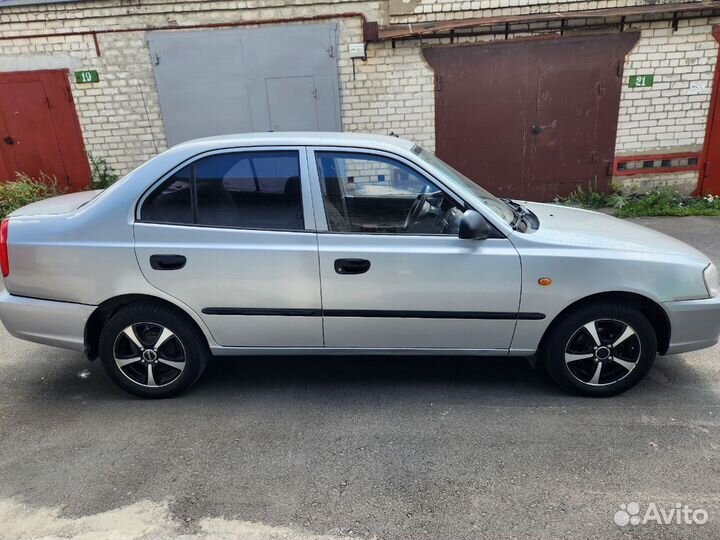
(537, 130)
(167, 262)
(352, 266)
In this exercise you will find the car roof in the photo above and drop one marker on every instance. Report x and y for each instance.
(300, 138)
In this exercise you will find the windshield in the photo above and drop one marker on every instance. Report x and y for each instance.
(499, 208)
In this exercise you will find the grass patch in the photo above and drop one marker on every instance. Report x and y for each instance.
(661, 201)
(585, 198)
(103, 175)
(668, 202)
(25, 190)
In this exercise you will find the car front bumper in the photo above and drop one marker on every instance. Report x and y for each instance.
(694, 324)
(60, 324)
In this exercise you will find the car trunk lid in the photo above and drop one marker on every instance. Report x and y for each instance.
(56, 205)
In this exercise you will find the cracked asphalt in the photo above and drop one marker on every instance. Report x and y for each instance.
(387, 448)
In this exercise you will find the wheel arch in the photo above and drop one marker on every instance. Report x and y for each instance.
(99, 317)
(655, 314)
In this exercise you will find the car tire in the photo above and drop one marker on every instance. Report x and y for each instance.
(152, 351)
(599, 350)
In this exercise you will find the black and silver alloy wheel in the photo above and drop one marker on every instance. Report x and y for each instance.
(600, 349)
(603, 352)
(149, 354)
(153, 350)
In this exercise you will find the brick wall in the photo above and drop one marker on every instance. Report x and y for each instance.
(391, 92)
(425, 10)
(671, 115)
(120, 115)
(673, 112)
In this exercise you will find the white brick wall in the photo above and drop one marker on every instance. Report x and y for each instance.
(673, 112)
(426, 10)
(684, 182)
(120, 115)
(391, 92)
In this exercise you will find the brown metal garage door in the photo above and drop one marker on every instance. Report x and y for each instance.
(530, 118)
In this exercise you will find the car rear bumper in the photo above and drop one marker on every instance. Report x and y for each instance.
(694, 324)
(60, 324)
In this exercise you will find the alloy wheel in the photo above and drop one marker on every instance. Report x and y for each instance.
(602, 352)
(149, 354)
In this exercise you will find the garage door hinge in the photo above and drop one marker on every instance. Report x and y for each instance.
(593, 157)
(331, 50)
(47, 100)
(619, 68)
(600, 90)
(438, 83)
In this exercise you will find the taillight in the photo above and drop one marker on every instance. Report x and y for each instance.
(4, 260)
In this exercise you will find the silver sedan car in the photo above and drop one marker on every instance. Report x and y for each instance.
(329, 243)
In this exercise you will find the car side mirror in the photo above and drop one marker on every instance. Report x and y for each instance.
(473, 226)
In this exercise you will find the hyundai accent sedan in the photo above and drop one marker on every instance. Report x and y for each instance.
(329, 243)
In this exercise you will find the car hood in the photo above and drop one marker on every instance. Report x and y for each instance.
(56, 205)
(585, 228)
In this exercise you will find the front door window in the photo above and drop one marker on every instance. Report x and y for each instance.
(367, 193)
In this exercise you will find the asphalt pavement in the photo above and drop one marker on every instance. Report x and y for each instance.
(386, 448)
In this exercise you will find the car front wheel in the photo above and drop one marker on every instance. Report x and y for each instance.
(152, 351)
(600, 350)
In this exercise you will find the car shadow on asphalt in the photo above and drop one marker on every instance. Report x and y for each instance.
(322, 376)
(349, 372)
(486, 379)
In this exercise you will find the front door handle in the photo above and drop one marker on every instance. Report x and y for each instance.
(352, 266)
(167, 262)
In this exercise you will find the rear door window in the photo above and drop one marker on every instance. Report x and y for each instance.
(254, 190)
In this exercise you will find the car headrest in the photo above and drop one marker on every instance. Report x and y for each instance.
(292, 186)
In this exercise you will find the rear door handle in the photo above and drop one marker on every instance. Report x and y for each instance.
(352, 266)
(167, 262)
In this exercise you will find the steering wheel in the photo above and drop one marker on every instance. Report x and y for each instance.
(416, 208)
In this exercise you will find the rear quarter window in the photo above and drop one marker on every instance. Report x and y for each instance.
(171, 202)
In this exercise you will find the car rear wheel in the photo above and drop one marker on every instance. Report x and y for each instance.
(600, 350)
(152, 351)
